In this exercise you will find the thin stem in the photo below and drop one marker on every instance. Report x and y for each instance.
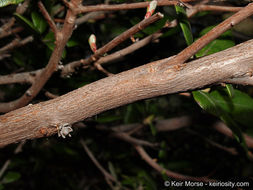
(47, 17)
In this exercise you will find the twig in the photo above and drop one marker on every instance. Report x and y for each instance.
(162, 170)
(135, 46)
(61, 40)
(222, 128)
(184, 55)
(231, 150)
(100, 68)
(97, 164)
(26, 77)
(117, 55)
(69, 68)
(11, 31)
(132, 140)
(47, 17)
(89, 16)
(51, 95)
(20, 10)
(15, 43)
(125, 6)
(7, 162)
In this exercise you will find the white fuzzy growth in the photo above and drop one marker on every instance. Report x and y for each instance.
(65, 130)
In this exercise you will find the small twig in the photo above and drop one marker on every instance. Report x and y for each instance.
(7, 162)
(100, 68)
(47, 17)
(26, 77)
(231, 150)
(222, 128)
(132, 140)
(50, 95)
(184, 55)
(162, 170)
(125, 6)
(61, 39)
(10, 32)
(97, 164)
(15, 43)
(89, 16)
(69, 68)
(6, 27)
(135, 46)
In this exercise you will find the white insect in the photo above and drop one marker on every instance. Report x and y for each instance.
(64, 130)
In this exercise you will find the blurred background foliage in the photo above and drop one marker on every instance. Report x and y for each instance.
(55, 163)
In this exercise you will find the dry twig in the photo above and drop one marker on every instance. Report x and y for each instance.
(162, 170)
(107, 175)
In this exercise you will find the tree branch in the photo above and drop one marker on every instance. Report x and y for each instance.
(62, 37)
(162, 170)
(125, 6)
(69, 68)
(150, 80)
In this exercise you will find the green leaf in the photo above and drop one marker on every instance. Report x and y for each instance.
(4, 3)
(39, 22)
(112, 170)
(184, 24)
(11, 177)
(206, 102)
(1, 187)
(240, 106)
(228, 33)
(26, 21)
(155, 26)
(211, 103)
(153, 129)
(215, 46)
(230, 90)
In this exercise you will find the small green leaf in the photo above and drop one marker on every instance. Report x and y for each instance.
(184, 24)
(1, 187)
(39, 22)
(112, 170)
(228, 33)
(11, 177)
(155, 26)
(26, 21)
(209, 102)
(206, 102)
(4, 3)
(49, 37)
(230, 90)
(215, 46)
(153, 129)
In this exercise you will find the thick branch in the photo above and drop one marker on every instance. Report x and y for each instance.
(150, 80)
